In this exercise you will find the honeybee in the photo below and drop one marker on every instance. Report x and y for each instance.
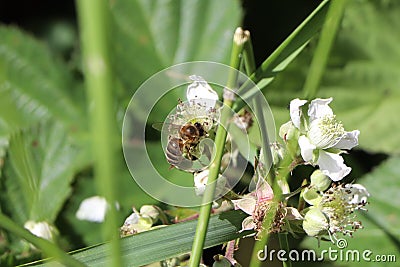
(184, 145)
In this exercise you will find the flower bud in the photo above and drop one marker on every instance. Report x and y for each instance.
(288, 131)
(149, 211)
(135, 223)
(42, 229)
(221, 261)
(311, 196)
(320, 181)
(315, 222)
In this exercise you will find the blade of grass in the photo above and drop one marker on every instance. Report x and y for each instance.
(165, 242)
(323, 48)
(44, 245)
(220, 138)
(94, 27)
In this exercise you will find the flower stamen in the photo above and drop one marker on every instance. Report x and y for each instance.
(326, 132)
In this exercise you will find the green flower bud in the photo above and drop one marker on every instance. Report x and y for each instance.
(42, 229)
(150, 211)
(221, 261)
(288, 131)
(311, 196)
(320, 181)
(315, 223)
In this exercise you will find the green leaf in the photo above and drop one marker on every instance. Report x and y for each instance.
(383, 184)
(34, 85)
(362, 76)
(38, 171)
(365, 83)
(165, 242)
(381, 231)
(149, 36)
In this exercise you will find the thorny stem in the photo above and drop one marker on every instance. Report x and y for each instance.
(220, 139)
(323, 48)
(230, 251)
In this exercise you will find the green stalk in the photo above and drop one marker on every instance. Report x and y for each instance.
(250, 65)
(323, 48)
(220, 139)
(94, 27)
(44, 245)
(284, 244)
(249, 62)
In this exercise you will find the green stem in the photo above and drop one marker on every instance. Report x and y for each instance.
(284, 244)
(323, 48)
(46, 246)
(94, 26)
(250, 65)
(220, 138)
(248, 56)
(302, 202)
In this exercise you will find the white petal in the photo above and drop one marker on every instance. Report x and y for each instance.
(359, 193)
(247, 224)
(132, 219)
(306, 148)
(349, 140)
(295, 111)
(200, 182)
(246, 204)
(319, 108)
(200, 92)
(332, 165)
(293, 214)
(92, 209)
(40, 229)
(263, 190)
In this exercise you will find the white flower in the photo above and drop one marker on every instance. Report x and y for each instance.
(200, 93)
(93, 209)
(322, 137)
(141, 221)
(333, 211)
(41, 229)
(255, 204)
(200, 183)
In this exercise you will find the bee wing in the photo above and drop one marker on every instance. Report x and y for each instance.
(158, 126)
(166, 127)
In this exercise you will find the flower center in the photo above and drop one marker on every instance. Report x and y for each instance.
(339, 204)
(325, 132)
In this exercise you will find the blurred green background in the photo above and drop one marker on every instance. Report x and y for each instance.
(44, 137)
